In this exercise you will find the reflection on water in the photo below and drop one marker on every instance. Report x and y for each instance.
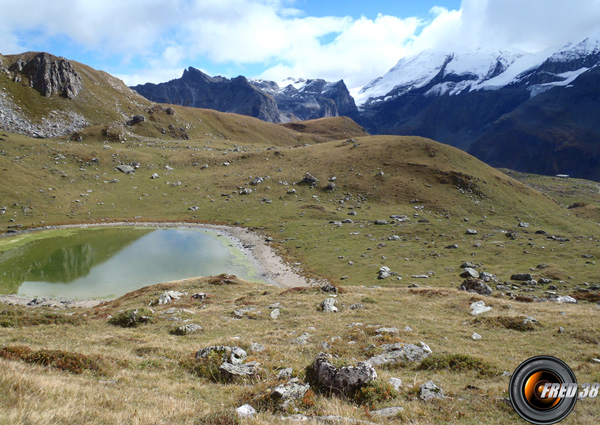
(103, 263)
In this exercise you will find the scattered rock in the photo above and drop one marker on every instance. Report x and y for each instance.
(396, 383)
(199, 296)
(476, 286)
(191, 328)
(566, 299)
(329, 288)
(302, 339)
(231, 371)
(357, 306)
(468, 272)
(387, 412)
(246, 411)
(154, 176)
(255, 347)
(275, 313)
(476, 336)
(387, 331)
(346, 380)
(170, 296)
(136, 119)
(381, 222)
(471, 232)
(127, 169)
(245, 191)
(285, 373)
(521, 277)
(232, 355)
(328, 305)
(289, 392)
(453, 246)
(309, 179)
(479, 307)
(430, 391)
(384, 273)
(256, 180)
(241, 312)
(523, 224)
(401, 353)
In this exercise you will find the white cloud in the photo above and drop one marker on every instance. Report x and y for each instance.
(169, 35)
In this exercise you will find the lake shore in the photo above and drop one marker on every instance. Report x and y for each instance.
(271, 268)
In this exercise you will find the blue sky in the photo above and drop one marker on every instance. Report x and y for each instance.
(154, 40)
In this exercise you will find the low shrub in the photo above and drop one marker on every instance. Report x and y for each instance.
(458, 363)
(56, 359)
(132, 318)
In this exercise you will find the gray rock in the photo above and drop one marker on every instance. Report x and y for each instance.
(430, 391)
(476, 286)
(396, 383)
(309, 179)
(154, 176)
(384, 273)
(170, 296)
(544, 281)
(255, 347)
(127, 169)
(387, 331)
(381, 222)
(401, 353)
(241, 312)
(233, 355)
(479, 307)
(564, 299)
(328, 305)
(275, 313)
(521, 277)
(199, 296)
(289, 392)
(469, 272)
(471, 232)
(476, 336)
(453, 246)
(191, 328)
(246, 411)
(468, 264)
(523, 224)
(487, 277)
(245, 191)
(387, 412)
(302, 339)
(231, 371)
(285, 373)
(357, 306)
(347, 379)
(136, 119)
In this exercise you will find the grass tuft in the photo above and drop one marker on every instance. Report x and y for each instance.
(459, 363)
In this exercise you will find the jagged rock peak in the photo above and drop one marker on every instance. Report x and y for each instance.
(48, 74)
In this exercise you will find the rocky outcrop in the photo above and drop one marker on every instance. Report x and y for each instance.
(48, 75)
(198, 90)
(345, 380)
(310, 99)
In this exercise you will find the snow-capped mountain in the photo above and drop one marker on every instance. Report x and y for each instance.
(302, 99)
(466, 98)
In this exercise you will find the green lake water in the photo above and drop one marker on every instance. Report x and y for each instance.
(109, 262)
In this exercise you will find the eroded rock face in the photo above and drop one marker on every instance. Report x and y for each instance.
(346, 379)
(49, 75)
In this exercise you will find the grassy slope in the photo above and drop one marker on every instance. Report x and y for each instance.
(435, 185)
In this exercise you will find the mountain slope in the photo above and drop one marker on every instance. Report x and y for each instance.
(495, 104)
(44, 96)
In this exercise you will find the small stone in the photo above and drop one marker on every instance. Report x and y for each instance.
(453, 246)
(387, 412)
(328, 305)
(479, 307)
(471, 232)
(521, 277)
(396, 383)
(255, 347)
(561, 330)
(476, 336)
(285, 373)
(246, 411)
(154, 176)
(191, 328)
(430, 391)
(523, 224)
(275, 313)
(302, 339)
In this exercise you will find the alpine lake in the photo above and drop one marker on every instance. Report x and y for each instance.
(102, 263)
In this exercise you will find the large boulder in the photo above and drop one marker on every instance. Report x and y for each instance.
(231, 372)
(345, 380)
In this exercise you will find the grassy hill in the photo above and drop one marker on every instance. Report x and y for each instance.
(209, 160)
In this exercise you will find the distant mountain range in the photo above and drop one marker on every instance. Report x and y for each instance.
(293, 100)
(537, 113)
